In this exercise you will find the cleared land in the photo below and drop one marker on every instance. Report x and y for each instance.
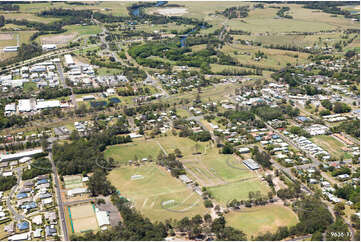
(257, 220)
(83, 218)
(332, 145)
(156, 193)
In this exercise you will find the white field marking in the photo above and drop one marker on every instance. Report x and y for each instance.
(187, 197)
(145, 201)
(152, 205)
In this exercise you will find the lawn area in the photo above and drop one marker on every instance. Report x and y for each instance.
(238, 190)
(183, 113)
(332, 145)
(156, 186)
(124, 152)
(29, 86)
(253, 221)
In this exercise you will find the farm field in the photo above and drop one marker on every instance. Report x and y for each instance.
(304, 20)
(154, 191)
(332, 145)
(275, 58)
(258, 220)
(238, 190)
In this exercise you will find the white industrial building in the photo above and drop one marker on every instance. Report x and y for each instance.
(19, 155)
(69, 60)
(102, 218)
(77, 191)
(47, 104)
(25, 105)
(49, 47)
(251, 164)
(11, 48)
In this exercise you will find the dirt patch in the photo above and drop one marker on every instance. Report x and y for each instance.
(171, 11)
(6, 36)
(58, 39)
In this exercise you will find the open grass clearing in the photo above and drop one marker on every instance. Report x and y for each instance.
(332, 145)
(304, 20)
(253, 221)
(276, 59)
(155, 192)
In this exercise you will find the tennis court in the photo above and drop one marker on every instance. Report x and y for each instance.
(73, 181)
(82, 218)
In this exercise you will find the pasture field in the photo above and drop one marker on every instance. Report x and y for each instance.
(156, 193)
(83, 218)
(332, 145)
(238, 190)
(275, 58)
(115, 8)
(29, 17)
(304, 20)
(292, 39)
(166, 28)
(253, 221)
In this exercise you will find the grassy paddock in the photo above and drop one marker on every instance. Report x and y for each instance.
(331, 144)
(258, 220)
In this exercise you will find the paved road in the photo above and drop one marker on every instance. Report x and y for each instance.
(198, 120)
(17, 216)
(60, 201)
(62, 79)
(79, 201)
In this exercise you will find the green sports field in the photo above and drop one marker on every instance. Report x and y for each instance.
(154, 191)
(124, 152)
(253, 221)
(144, 148)
(238, 190)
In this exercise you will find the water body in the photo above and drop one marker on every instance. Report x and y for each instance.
(184, 37)
(160, 3)
(136, 11)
